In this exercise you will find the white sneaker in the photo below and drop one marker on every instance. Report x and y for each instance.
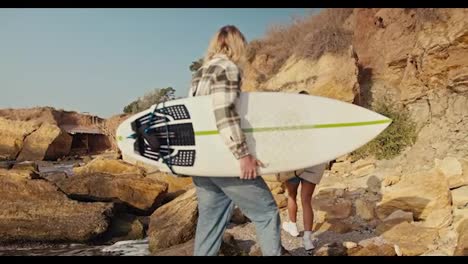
(310, 242)
(290, 228)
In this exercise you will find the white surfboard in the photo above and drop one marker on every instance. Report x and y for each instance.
(285, 131)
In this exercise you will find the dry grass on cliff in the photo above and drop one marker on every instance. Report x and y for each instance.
(422, 15)
(325, 34)
(309, 37)
(401, 133)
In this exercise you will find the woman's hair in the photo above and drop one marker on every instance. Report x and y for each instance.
(303, 92)
(229, 41)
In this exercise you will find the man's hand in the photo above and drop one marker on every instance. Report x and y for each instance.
(248, 166)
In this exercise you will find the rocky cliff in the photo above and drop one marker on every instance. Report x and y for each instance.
(417, 61)
(42, 133)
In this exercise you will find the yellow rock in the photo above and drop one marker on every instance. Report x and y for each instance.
(113, 167)
(364, 209)
(413, 240)
(12, 134)
(420, 193)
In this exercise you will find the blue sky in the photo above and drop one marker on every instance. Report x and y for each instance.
(99, 60)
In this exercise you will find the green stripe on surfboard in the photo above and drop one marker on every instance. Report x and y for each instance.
(303, 127)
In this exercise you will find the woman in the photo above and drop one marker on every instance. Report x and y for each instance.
(220, 77)
(308, 179)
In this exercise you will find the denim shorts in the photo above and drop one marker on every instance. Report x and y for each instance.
(297, 180)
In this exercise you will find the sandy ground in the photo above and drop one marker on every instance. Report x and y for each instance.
(246, 236)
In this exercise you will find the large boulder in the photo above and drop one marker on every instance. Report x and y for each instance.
(60, 147)
(133, 190)
(12, 133)
(176, 185)
(420, 193)
(174, 223)
(33, 209)
(412, 239)
(149, 168)
(108, 166)
(47, 142)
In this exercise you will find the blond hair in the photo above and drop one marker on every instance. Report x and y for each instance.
(228, 41)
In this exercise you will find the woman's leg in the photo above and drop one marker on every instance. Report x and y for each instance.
(307, 191)
(292, 186)
(291, 226)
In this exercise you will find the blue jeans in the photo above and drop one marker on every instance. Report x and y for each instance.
(216, 199)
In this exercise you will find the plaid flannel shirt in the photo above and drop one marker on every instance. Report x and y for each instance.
(221, 79)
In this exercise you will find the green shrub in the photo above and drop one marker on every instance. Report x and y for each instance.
(309, 37)
(401, 133)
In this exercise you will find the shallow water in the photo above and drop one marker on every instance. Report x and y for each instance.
(53, 250)
(129, 248)
(121, 248)
(48, 168)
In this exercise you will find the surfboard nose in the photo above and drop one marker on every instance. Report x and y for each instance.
(382, 118)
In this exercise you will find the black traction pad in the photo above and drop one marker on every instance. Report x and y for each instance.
(150, 141)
